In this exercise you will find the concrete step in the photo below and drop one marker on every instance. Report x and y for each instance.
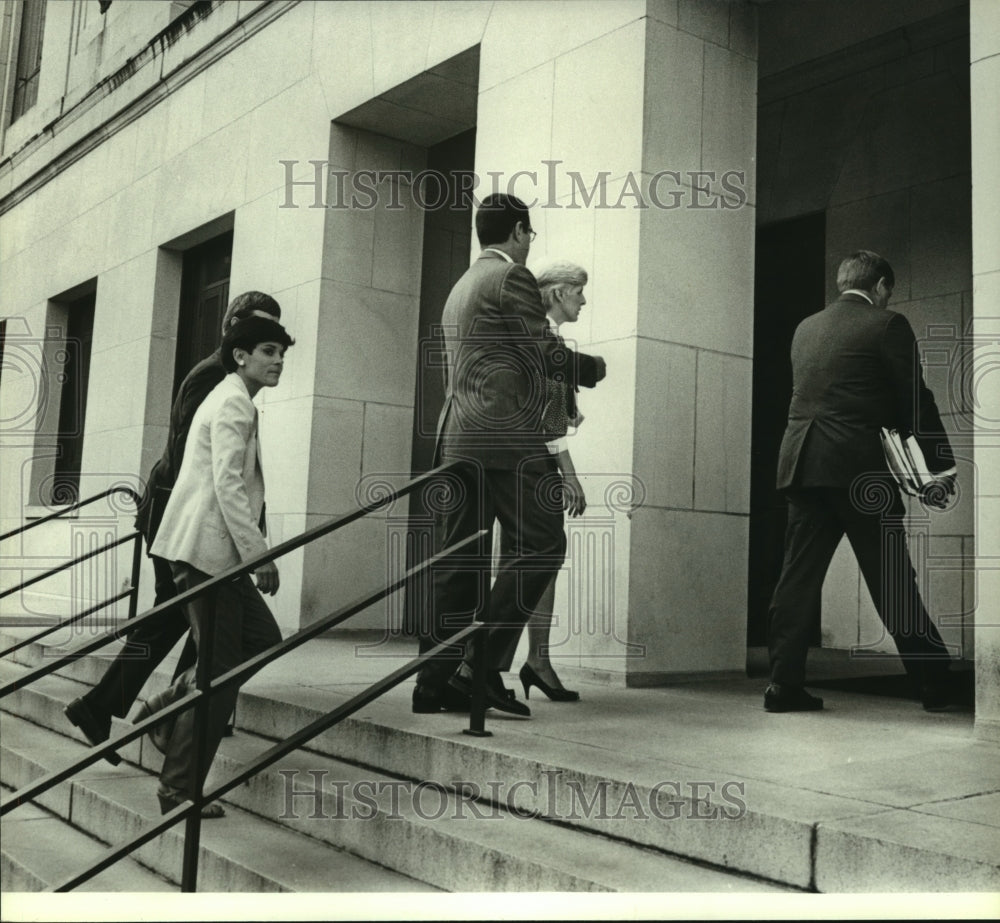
(772, 840)
(457, 841)
(878, 854)
(43, 701)
(241, 852)
(88, 669)
(39, 850)
(629, 766)
(452, 841)
(736, 822)
(648, 805)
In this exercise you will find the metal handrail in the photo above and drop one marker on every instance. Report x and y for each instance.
(68, 564)
(44, 783)
(133, 592)
(65, 623)
(192, 809)
(191, 812)
(237, 570)
(70, 509)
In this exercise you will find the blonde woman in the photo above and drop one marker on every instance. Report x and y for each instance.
(561, 284)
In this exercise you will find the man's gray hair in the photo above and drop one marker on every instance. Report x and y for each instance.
(862, 270)
(557, 274)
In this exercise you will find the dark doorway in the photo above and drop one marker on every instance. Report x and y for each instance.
(204, 296)
(789, 285)
(446, 256)
(447, 238)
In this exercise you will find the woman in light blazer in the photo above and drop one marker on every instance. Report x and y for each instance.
(212, 522)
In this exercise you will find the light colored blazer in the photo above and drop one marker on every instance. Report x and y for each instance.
(211, 520)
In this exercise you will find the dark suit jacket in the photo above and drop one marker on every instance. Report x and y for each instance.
(855, 369)
(499, 352)
(193, 390)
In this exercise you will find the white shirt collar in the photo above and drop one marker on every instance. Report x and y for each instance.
(238, 382)
(857, 291)
(494, 250)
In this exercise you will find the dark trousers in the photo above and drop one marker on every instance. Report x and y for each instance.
(144, 648)
(528, 506)
(244, 626)
(818, 517)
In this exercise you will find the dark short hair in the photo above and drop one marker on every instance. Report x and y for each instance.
(247, 334)
(498, 216)
(243, 306)
(862, 270)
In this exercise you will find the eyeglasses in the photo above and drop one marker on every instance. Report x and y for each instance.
(532, 235)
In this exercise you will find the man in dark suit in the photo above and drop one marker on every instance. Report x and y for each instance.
(855, 369)
(499, 351)
(150, 643)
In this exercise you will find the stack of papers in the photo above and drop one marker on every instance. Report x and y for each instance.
(905, 461)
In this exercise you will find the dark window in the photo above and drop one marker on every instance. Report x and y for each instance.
(29, 57)
(3, 339)
(75, 361)
(204, 296)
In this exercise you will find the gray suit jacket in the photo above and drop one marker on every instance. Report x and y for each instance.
(855, 369)
(499, 351)
(211, 520)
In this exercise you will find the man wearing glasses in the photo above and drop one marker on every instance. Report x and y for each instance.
(499, 351)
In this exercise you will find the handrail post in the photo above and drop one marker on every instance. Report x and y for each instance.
(203, 674)
(477, 710)
(133, 603)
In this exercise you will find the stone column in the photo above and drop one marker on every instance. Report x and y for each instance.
(694, 345)
(360, 414)
(636, 124)
(984, 29)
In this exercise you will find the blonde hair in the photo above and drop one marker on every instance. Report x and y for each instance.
(558, 274)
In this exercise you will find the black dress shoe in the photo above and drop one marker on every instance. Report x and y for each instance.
(430, 699)
(945, 693)
(498, 696)
(94, 729)
(426, 701)
(454, 700)
(778, 698)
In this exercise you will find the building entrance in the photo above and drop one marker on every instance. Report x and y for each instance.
(788, 286)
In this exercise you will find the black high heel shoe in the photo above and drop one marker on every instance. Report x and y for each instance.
(530, 678)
